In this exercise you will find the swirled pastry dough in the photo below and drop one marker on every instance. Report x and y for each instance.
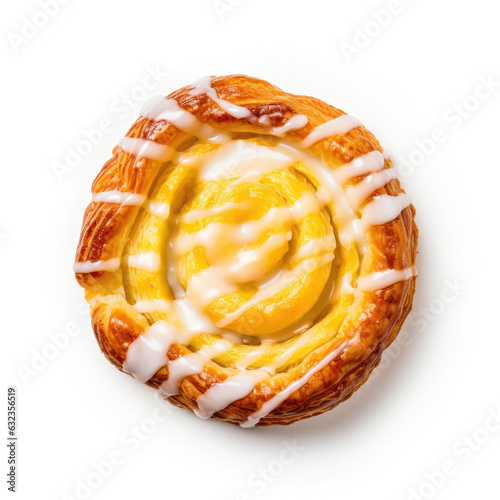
(248, 253)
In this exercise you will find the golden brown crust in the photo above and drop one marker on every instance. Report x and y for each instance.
(376, 317)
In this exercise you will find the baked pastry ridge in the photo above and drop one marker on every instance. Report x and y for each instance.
(248, 253)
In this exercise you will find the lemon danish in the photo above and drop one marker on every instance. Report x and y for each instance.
(248, 253)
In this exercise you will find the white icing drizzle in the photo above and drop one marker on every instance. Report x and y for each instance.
(247, 265)
(235, 387)
(248, 159)
(148, 352)
(276, 400)
(238, 386)
(314, 246)
(364, 164)
(383, 209)
(218, 281)
(158, 209)
(382, 279)
(285, 356)
(199, 214)
(151, 306)
(151, 104)
(169, 110)
(119, 197)
(94, 267)
(144, 148)
(250, 231)
(208, 285)
(172, 278)
(331, 192)
(150, 262)
(191, 364)
(204, 86)
(346, 286)
(340, 125)
(296, 122)
(282, 281)
(254, 355)
(192, 319)
(358, 193)
(242, 159)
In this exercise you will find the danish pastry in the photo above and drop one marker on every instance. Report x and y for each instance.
(248, 253)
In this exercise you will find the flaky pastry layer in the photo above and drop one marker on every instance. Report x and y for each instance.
(349, 334)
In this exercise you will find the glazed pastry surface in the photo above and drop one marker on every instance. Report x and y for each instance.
(248, 253)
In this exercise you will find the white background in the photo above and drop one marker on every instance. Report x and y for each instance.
(436, 387)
